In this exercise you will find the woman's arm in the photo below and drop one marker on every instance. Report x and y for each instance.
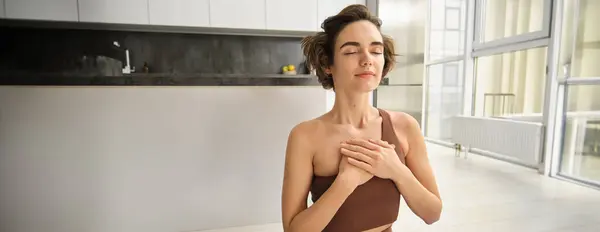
(296, 185)
(416, 180)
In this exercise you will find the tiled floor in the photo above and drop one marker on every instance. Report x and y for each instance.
(482, 194)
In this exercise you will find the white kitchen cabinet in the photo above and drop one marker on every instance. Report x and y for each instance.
(193, 13)
(54, 10)
(247, 14)
(114, 11)
(328, 8)
(295, 15)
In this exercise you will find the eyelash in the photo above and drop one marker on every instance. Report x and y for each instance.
(376, 53)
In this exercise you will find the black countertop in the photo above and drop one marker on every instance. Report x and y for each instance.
(161, 79)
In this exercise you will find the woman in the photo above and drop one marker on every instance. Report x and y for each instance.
(356, 160)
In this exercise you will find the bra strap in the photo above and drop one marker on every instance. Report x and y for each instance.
(389, 134)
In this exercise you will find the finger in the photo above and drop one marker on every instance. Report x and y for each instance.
(379, 142)
(360, 149)
(363, 143)
(356, 155)
(382, 143)
(360, 164)
(389, 145)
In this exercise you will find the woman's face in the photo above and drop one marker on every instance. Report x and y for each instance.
(358, 58)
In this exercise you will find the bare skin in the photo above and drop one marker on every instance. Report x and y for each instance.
(323, 146)
(324, 138)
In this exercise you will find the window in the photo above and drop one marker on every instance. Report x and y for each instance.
(447, 28)
(451, 73)
(579, 121)
(510, 83)
(445, 67)
(401, 97)
(511, 21)
(584, 48)
(581, 136)
(444, 101)
(453, 16)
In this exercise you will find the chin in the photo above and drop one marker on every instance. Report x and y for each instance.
(367, 87)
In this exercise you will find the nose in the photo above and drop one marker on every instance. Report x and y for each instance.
(366, 59)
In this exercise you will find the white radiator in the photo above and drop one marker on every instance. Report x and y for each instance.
(516, 141)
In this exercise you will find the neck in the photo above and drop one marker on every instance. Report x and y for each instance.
(354, 109)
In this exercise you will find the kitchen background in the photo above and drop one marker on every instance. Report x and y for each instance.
(81, 51)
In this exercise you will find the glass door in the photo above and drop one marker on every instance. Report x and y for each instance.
(579, 84)
(445, 67)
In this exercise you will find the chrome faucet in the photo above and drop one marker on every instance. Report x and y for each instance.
(127, 69)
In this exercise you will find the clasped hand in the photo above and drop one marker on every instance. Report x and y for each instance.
(374, 156)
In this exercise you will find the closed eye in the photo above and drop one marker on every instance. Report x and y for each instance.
(350, 53)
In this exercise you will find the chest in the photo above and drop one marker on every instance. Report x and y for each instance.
(327, 157)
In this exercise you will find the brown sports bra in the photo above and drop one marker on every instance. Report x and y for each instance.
(373, 204)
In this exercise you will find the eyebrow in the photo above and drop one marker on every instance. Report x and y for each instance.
(351, 43)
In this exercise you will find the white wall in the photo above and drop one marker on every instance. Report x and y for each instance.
(146, 158)
(330, 99)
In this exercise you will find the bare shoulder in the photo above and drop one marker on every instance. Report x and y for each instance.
(407, 129)
(305, 129)
(303, 133)
(403, 122)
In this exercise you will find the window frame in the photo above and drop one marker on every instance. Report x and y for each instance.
(478, 45)
(464, 58)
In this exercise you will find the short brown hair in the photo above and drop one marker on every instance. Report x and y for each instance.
(319, 48)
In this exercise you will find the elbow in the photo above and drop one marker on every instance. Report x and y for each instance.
(289, 227)
(434, 215)
(299, 228)
(431, 219)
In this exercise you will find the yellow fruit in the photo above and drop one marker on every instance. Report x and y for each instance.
(291, 67)
(285, 68)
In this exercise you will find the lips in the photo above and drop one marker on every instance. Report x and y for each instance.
(367, 74)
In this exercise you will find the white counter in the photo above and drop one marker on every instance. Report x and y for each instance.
(146, 158)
